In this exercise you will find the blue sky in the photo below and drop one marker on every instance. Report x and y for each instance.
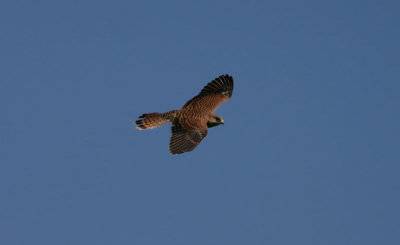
(309, 153)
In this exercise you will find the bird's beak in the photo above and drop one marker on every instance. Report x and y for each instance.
(222, 121)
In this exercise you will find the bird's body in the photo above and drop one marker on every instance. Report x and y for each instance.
(190, 124)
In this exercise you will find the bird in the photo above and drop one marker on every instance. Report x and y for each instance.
(190, 124)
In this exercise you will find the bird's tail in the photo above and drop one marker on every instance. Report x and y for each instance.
(153, 120)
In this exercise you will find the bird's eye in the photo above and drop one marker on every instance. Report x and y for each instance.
(218, 119)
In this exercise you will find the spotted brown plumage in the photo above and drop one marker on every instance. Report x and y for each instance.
(190, 124)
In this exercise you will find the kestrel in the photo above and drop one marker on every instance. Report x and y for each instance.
(190, 124)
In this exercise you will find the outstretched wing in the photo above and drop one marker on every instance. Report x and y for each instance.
(184, 140)
(212, 95)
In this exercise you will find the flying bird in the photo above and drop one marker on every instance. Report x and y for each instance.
(190, 124)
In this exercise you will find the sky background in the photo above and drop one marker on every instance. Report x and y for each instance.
(310, 149)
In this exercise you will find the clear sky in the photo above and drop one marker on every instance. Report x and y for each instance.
(310, 149)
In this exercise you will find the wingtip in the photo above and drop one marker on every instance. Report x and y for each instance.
(139, 125)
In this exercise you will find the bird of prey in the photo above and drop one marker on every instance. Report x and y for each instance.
(190, 124)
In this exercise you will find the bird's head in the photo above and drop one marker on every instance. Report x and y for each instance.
(214, 121)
